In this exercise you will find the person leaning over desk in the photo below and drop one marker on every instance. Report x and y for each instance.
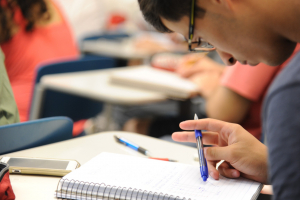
(251, 32)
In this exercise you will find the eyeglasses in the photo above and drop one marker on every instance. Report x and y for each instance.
(200, 45)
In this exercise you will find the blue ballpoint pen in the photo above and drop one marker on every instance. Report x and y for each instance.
(132, 145)
(202, 160)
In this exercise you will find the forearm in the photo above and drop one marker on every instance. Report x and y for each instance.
(226, 105)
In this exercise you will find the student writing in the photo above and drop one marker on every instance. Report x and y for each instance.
(252, 32)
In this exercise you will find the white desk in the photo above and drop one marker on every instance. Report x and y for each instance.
(95, 85)
(83, 149)
(123, 49)
(141, 46)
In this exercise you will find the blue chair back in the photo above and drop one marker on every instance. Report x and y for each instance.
(24, 135)
(62, 104)
(82, 64)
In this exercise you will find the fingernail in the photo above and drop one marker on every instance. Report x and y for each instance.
(235, 174)
(211, 174)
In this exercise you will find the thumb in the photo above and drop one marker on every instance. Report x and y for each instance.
(218, 153)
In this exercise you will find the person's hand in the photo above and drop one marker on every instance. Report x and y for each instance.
(244, 155)
(206, 82)
(198, 63)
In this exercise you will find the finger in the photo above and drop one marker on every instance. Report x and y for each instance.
(208, 137)
(218, 153)
(210, 125)
(184, 136)
(226, 170)
(185, 71)
(213, 172)
(191, 71)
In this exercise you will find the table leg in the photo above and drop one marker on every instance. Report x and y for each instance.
(37, 102)
(108, 107)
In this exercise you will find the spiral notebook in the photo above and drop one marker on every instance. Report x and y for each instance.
(114, 176)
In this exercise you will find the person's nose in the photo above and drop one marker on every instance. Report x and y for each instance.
(227, 58)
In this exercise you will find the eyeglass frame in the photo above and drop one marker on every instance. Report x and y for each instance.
(191, 33)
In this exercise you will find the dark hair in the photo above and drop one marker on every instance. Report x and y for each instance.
(172, 10)
(32, 11)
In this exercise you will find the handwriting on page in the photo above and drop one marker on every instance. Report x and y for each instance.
(158, 176)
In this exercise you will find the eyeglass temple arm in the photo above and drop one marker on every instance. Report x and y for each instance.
(191, 27)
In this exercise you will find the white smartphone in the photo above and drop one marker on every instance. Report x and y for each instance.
(40, 166)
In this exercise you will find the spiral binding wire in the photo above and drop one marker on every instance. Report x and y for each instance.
(74, 189)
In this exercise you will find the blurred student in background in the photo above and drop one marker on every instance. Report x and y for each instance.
(8, 109)
(32, 32)
(233, 94)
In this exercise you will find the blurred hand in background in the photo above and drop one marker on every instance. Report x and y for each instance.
(203, 71)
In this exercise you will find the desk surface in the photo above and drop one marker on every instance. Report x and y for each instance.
(83, 149)
(141, 46)
(96, 85)
(117, 49)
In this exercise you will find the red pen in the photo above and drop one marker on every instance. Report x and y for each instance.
(163, 159)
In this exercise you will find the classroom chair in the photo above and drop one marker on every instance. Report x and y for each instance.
(24, 135)
(55, 103)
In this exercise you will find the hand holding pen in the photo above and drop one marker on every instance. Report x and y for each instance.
(244, 155)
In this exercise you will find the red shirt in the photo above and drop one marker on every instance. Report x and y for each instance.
(252, 83)
(27, 50)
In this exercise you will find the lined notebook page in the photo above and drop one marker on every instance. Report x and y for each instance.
(162, 177)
